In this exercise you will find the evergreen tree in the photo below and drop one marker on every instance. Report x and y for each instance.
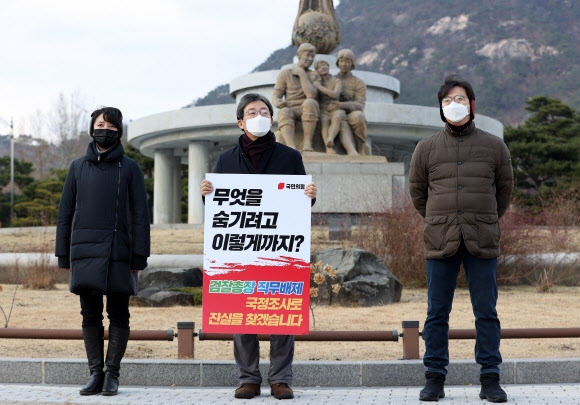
(22, 179)
(39, 205)
(545, 150)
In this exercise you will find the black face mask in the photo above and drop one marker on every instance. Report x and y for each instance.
(106, 138)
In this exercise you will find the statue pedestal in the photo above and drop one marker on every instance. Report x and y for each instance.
(355, 184)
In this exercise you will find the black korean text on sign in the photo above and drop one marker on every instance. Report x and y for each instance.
(262, 243)
(244, 197)
(243, 219)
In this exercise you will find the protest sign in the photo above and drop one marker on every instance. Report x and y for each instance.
(257, 255)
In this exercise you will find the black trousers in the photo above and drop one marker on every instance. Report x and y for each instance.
(117, 310)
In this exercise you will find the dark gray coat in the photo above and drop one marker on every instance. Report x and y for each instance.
(277, 159)
(103, 223)
(462, 184)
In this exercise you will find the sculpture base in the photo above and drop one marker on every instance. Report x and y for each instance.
(318, 143)
(319, 157)
(355, 184)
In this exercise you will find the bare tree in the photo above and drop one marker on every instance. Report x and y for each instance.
(43, 158)
(68, 123)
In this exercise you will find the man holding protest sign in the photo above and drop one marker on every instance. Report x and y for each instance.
(259, 153)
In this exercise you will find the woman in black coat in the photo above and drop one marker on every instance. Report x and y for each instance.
(102, 237)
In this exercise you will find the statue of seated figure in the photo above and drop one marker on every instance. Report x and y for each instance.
(353, 130)
(295, 95)
(329, 89)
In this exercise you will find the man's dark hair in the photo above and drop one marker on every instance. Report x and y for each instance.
(450, 82)
(110, 114)
(249, 98)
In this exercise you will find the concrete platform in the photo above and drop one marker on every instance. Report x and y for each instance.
(568, 394)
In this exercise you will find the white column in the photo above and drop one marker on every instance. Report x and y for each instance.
(163, 185)
(198, 161)
(176, 219)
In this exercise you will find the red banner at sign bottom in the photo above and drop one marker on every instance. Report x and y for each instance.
(271, 296)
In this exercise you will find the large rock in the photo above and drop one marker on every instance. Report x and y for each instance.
(163, 299)
(154, 284)
(364, 279)
(165, 278)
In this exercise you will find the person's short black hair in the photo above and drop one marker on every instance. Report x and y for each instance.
(450, 82)
(249, 98)
(110, 114)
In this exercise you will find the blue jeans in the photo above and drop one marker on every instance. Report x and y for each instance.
(481, 275)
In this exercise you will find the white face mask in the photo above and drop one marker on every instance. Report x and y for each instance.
(258, 126)
(455, 112)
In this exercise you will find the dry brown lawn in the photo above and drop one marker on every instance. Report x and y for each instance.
(520, 307)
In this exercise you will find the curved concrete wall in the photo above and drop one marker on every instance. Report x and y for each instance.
(176, 129)
(380, 88)
(172, 136)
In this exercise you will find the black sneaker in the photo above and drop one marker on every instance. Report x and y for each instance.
(490, 388)
(434, 387)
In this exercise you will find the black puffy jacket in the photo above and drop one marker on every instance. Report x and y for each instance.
(103, 223)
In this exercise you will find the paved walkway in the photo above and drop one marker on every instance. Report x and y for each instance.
(21, 394)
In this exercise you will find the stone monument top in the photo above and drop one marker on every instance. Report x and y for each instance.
(316, 24)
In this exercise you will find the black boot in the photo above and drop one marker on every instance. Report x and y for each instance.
(490, 388)
(118, 338)
(434, 387)
(93, 337)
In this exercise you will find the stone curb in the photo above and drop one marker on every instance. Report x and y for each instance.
(199, 373)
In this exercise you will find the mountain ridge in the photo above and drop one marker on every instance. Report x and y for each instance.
(510, 50)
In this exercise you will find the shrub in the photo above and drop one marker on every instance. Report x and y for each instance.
(38, 275)
(396, 237)
(197, 293)
(534, 250)
(323, 284)
(4, 314)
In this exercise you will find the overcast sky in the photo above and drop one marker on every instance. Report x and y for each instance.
(142, 56)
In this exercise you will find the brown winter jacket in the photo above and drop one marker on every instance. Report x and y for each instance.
(461, 183)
